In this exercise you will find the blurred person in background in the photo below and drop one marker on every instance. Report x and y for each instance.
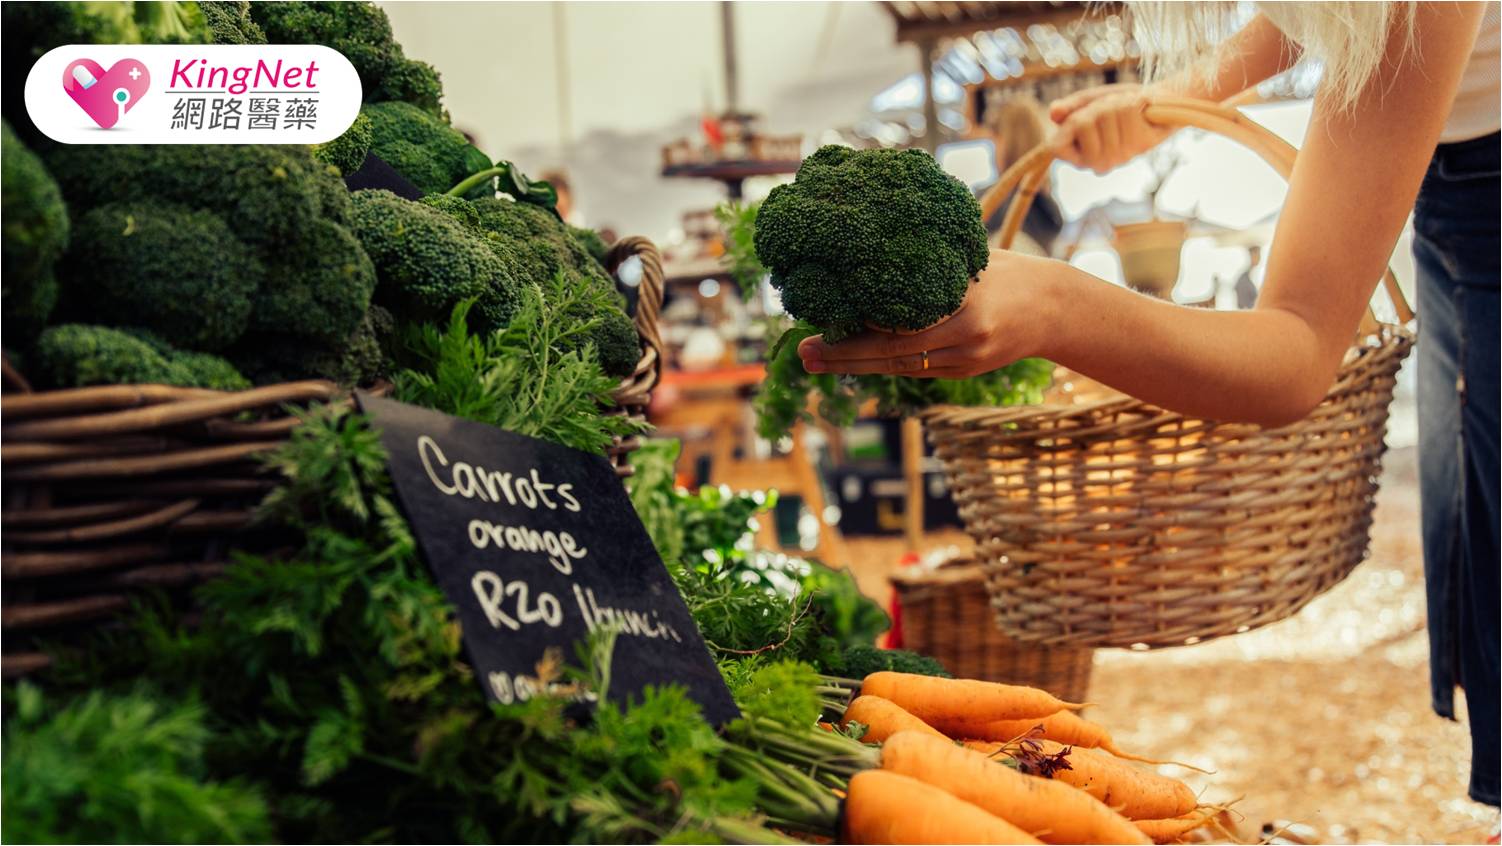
(559, 180)
(1246, 289)
(1017, 125)
(1405, 120)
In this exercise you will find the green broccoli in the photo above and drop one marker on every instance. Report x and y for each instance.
(857, 662)
(73, 355)
(162, 267)
(878, 237)
(427, 262)
(541, 248)
(353, 360)
(267, 194)
(431, 154)
(229, 22)
(458, 208)
(362, 32)
(319, 287)
(33, 234)
(348, 151)
(592, 243)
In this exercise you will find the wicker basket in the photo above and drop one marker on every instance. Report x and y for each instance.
(112, 489)
(947, 615)
(1111, 522)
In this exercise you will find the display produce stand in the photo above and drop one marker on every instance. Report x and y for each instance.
(114, 489)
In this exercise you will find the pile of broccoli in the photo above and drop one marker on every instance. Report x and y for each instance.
(224, 249)
(431, 154)
(35, 224)
(434, 254)
(882, 238)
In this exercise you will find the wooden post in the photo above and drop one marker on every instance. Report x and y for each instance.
(912, 471)
(727, 34)
(926, 48)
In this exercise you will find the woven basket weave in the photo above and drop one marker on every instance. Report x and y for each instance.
(113, 489)
(947, 615)
(1112, 522)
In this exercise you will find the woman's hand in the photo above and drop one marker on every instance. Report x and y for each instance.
(1102, 128)
(1001, 321)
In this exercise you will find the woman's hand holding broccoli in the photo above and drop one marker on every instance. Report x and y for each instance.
(1003, 320)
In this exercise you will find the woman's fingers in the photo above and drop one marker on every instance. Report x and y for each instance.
(1060, 109)
(881, 345)
(942, 362)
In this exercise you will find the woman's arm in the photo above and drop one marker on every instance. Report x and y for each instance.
(1101, 128)
(1351, 190)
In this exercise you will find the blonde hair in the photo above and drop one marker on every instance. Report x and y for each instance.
(1348, 39)
(1019, 124)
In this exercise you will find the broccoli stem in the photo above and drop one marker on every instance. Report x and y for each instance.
(473, 181)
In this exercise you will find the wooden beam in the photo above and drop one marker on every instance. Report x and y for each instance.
(910, 29)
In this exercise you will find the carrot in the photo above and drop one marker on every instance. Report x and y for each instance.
(1170, 830)
(883, 719)
(1136, 793)
(936, 700)
(885, 807)
(1066, 727)
(1052, 811)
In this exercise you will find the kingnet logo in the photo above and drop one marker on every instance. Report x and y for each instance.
(199, 94)
(106, 95)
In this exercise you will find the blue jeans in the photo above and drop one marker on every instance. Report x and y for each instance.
(1456, 245)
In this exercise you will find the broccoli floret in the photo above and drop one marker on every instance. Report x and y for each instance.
(229, 22)
(541, 248)
(267, 194)
(427, 262)
(458, 208)
(171, 22)
(362, 32)
(178, 272)
(429, 152)
(357, 359)
(857, 662)
(318, 287)
(34, 223)
(348, 151)
(592, 243)
(883, 237)
(74, 355)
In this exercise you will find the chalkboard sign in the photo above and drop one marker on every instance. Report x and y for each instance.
(537, 545)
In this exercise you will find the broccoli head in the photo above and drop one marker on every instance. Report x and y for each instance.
(424, 149)
(427, 262)
(592, 243)
(362, 32)
(229, 22)
(74, 355)
(33, 234)
(542, 250)
(317, 287)
(458, 208)
(357, 359)
(348, 151)
(170, 269)
(879, 237)
(268, 194)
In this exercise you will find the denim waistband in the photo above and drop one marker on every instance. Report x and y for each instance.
(1476, 158)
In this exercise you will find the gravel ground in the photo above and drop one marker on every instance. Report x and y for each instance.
(1321, 722)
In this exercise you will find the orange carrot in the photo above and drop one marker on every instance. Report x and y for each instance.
(1136, 793)
(1170, 830)
(934, 700)
(883, 719)
(1053, 811)
(885, 807)
(1066, 727)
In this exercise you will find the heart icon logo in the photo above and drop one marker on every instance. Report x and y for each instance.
(106, 95)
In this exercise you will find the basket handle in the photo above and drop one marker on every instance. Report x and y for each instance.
(648, 309)
(1026, 175)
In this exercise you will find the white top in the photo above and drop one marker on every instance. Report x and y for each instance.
(1477, 110)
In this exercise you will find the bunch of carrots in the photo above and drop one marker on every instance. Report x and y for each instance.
(964, 761)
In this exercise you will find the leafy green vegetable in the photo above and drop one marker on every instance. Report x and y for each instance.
(861, 660)
(738, 225)
(118, 768)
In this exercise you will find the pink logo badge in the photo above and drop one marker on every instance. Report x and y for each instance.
(106, 95)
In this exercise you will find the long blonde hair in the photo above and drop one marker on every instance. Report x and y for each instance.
(1019, 124)
(1349, 39)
